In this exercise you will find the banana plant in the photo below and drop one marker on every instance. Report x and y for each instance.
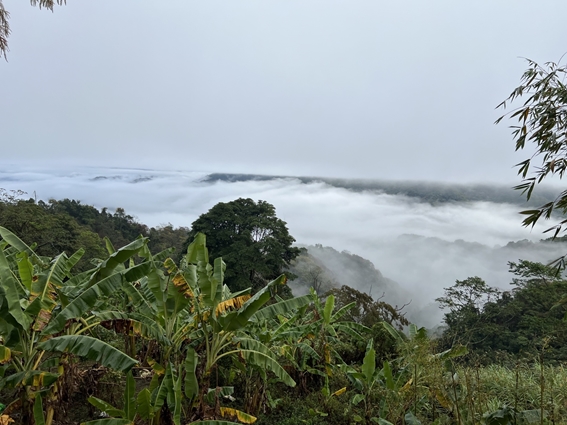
(43, 309)
(193, 321)
(307, 339)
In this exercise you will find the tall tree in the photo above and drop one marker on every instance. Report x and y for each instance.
(252, 241)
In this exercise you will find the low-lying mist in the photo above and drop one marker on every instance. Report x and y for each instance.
(423, 246)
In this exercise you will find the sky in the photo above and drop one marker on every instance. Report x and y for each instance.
(153, 96)
(361, 89)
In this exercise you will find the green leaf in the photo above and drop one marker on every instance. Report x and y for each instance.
(456, 351)
(191, 383)
(109, 421)
(410, 419)
(329, 307)
(38, 416)
(342, 311)
(109, 247)
(165, 387)
(11, 289)
(17, 243)
(267, 362)
(105, 407)
(144, 406)
(92, 349)
(239, 319)
(118, 258)
(398, 335)
(130, 397)
(177, 400)
(387, 371)
(35, 378)
(369, 363)
(84, 302)
(25, 269)
(197, 250)
(281, 307)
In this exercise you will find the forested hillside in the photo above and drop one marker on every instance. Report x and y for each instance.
(67, 225)
(151, 335)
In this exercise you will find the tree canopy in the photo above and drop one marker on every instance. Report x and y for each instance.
(252, 241)
(523, 321)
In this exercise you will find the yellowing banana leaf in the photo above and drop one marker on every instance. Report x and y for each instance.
(231, 304)
(5, 354)
(239, 415)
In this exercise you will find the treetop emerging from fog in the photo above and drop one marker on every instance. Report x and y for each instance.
(252, 241)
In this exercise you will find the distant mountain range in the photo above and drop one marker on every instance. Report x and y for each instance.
(431, 192)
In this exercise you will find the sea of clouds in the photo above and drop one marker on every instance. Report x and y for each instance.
(422, 246)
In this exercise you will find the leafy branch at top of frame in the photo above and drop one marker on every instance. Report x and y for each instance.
(541, 121)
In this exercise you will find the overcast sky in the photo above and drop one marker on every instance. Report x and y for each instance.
(374, 89)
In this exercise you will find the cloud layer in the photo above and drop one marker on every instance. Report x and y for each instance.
(422, 246)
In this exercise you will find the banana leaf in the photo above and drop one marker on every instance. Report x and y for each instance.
(92, 349)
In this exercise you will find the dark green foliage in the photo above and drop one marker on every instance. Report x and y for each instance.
(67, 225)
(371, 314)
(252, 241)
(523, 321)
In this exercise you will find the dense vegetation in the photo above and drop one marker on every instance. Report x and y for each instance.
(149, 335)
(526, 321)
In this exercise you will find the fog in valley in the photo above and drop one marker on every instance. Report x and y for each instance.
(423, 246)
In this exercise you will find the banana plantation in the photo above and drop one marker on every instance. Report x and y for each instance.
(142, 339)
